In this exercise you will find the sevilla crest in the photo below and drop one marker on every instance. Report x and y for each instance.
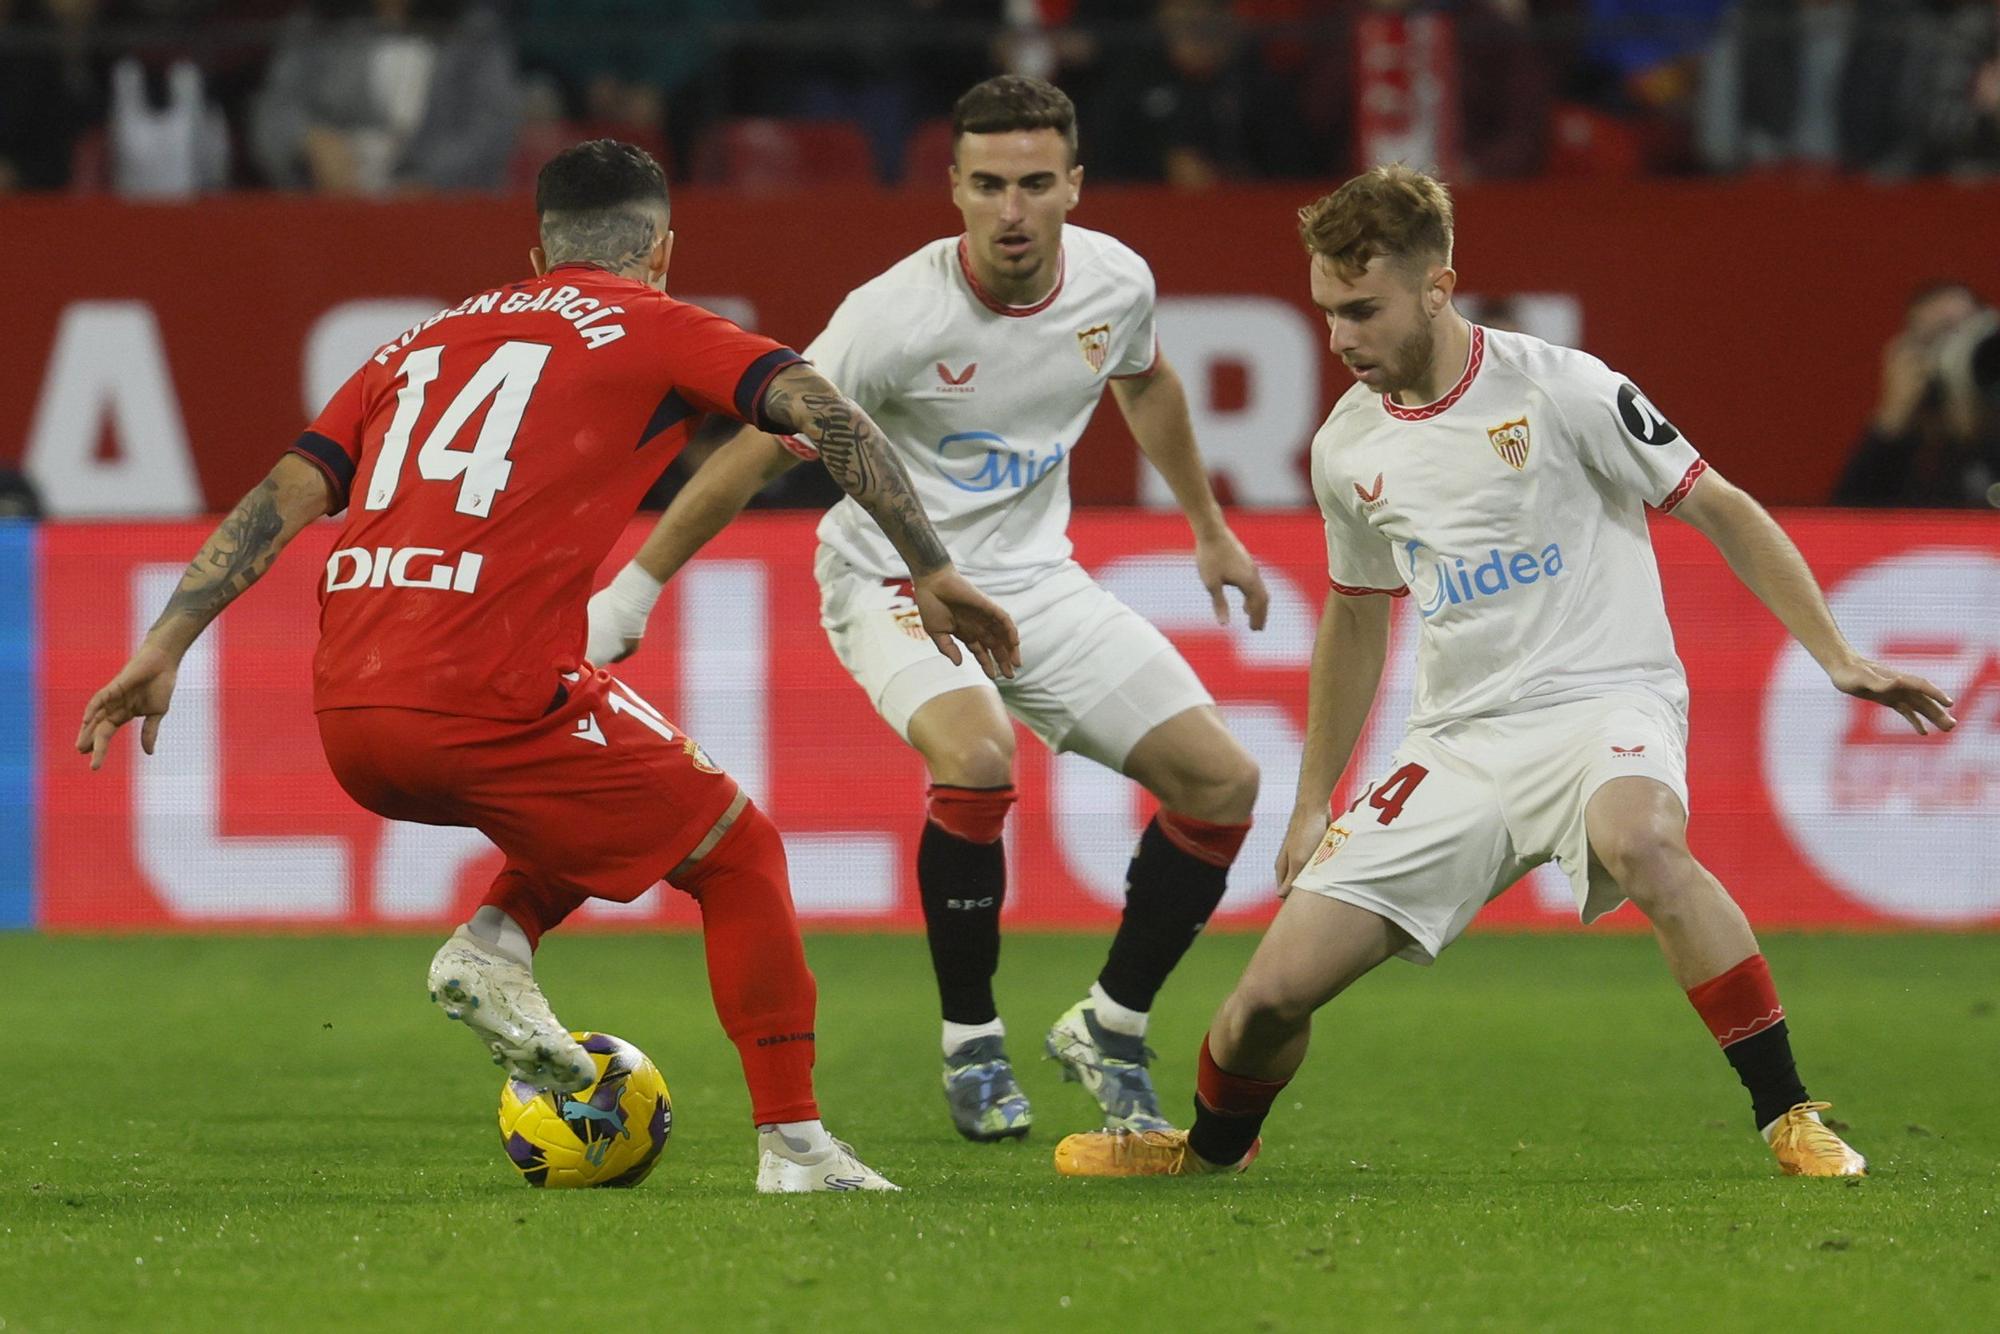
(1510, 442)
(1336, 838)
(1095, 344)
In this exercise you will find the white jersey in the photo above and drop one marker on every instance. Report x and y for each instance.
(1512, 513)
(984, 402)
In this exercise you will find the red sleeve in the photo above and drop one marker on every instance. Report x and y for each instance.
(333, 442)
(719, 367)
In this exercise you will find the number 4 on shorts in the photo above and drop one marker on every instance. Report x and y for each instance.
(1390, 795)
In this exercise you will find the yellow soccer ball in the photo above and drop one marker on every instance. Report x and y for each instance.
(609, 1134)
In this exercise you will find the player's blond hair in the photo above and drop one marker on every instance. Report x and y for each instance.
(1392, 211)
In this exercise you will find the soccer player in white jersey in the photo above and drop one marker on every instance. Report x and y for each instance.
(983, 356)
(1499, 483)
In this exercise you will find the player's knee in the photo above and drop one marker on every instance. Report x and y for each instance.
(1218, 786)
(1267, 1010)
(973, 759)
(1652, 866)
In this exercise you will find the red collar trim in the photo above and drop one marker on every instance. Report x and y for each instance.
(999, 307)
(1430, 410)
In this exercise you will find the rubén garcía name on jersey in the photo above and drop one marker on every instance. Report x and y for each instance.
(492, 455)
(1512, 512)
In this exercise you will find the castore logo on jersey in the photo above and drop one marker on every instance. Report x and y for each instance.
(1496, 575)
(983, 461)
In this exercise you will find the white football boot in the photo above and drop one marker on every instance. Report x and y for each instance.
(789, 1166)
(498, 1000)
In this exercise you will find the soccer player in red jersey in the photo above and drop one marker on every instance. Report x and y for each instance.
(488, 458)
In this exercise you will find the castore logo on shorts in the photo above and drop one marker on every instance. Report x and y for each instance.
(980, 461)
(1498, 574)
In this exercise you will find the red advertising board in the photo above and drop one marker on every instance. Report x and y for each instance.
(159, 355)
(1814, 809)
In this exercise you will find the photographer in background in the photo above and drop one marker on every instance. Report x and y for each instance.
(1935, 436)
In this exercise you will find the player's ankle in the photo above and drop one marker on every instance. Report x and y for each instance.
(502, 934)
(957, 1035)
(1114, 1016)
(799, 1137)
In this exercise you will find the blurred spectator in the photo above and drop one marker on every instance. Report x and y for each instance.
(1935, 436)
(882, 64)
(1190, 105)
(1922, 88)
(387, 96)
(1643, 58)
(1465, 89)
(620, 63)
(51, 89)
(1772, 84)
(168, 147)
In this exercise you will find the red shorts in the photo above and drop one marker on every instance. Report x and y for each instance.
(601, 796)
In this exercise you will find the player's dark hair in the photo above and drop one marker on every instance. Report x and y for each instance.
(1393, 211)
(1014, 102)
(592, 200)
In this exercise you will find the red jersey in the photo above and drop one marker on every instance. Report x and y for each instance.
(493, 454)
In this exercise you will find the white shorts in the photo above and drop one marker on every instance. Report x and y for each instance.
(1095, 676)
(1464, 811)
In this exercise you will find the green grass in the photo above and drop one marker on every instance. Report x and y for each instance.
(280, 1134)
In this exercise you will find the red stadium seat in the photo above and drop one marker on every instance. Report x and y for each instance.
(927, 154)
(764, 154)
(1585, 142)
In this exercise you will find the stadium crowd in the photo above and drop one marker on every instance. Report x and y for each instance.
(170, 98)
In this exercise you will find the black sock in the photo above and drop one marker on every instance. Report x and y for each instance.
(1229, 1110)
(1169, 895)
(962, 884)
(1763, 1062)
(1223, 1139)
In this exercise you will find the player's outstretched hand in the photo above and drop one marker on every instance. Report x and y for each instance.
(1302, 839)
(952, 609)
(142, 689)
(617, 614)
(1223, 562)
(607, 641)
(1915, 698)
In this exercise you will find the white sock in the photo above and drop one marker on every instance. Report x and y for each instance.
(957, 1035)
(800, 1137)
(503, 935)
(1116, 1017)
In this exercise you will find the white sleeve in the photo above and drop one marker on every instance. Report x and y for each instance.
(1139, 342)
(1359, 560)
(1622, 437)
(858, 349)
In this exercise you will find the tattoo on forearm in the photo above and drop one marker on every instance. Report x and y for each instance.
(234, 557)
(863, 461)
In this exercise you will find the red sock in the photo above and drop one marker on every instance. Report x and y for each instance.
(764, 993)
(535, 905)
(1216, 844)
(1740, 1003)
(1233, 1095)
(1229, 1110)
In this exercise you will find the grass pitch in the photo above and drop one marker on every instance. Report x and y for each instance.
(280, 1133)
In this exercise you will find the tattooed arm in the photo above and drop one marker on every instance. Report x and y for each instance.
(861, 459)
(235, 556)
